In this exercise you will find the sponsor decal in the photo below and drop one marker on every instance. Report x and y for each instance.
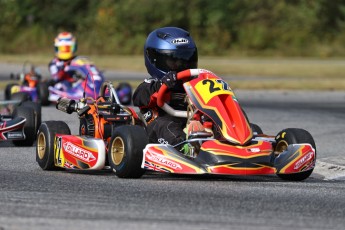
(304, 159)
(254, 150)
(180, 41)
(14, 135)
(162, 160)
(147, 115)
(162, 141)
(78, 152)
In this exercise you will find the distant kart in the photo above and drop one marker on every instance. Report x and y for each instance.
(88, 83)
(30, 86)
(19, 122)
(113, 135)
(88, 80)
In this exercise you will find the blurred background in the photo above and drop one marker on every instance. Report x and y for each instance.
(271, 38)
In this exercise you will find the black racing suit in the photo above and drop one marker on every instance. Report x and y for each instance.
(162, 128)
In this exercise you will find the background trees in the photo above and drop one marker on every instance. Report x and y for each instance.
(220, 27)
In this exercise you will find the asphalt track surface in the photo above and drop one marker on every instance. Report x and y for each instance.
(31, 198)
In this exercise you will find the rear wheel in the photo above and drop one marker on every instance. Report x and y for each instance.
(20, 96)
(293, 136)
(45, 142)
(37, 109)
(125, 153)
(29, 126)
(43, 93)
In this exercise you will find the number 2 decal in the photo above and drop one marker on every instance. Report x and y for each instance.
(58, 150)
(212, 88)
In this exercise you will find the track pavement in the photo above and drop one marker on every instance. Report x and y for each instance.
(31, 198)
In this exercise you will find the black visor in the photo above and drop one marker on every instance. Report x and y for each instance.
(173, 60)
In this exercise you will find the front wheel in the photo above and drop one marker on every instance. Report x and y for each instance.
(293, 136)
(45, 142)
(125, 153)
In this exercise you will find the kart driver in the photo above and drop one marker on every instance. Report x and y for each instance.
(167, 51)
(65, 45)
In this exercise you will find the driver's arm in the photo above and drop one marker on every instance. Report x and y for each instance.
(146, 93)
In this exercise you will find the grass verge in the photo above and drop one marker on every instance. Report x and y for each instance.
(245, 73)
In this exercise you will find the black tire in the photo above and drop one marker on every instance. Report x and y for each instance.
(293, 136)
(125, 152)
(45, 142)
(256, 128)
(43, 93)
(124, 93)
(7, 93)
(37, 109)
(29, 126)
(21, 96)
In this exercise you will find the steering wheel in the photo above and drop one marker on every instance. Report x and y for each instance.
(183, 75)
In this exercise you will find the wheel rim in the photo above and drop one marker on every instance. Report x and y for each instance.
(117, 150)
(280, 147)
(41, 145)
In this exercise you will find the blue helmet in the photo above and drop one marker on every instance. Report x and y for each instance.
(169, 49)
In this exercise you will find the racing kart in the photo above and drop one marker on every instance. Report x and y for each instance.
(19, 122)
(99, 119)
(30, 86)
(87, 82)
(229, 145)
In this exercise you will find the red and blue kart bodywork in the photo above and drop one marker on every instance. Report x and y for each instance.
(230, 145)
(88, 84)
(19, 122)
(87, 81)
(30, 85)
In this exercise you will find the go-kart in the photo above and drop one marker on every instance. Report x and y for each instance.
(88, 81)
(19, 122)
(30, 86)
(229, 145)
(99, 119)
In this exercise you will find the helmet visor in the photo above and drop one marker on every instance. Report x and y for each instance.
(64, 49)
(64, 52)
(174, 60)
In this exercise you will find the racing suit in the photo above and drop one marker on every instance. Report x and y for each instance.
(162, 128)
(59, 70)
